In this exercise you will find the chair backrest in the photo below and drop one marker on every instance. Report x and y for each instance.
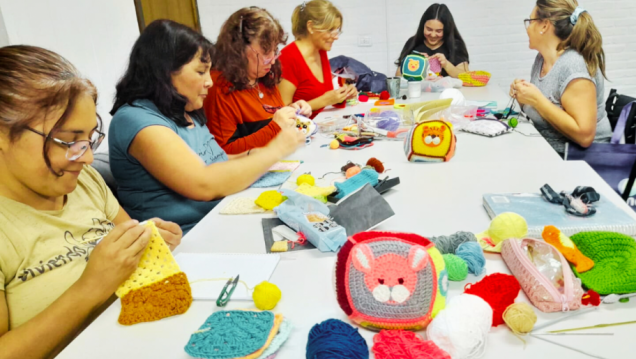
(614, 106)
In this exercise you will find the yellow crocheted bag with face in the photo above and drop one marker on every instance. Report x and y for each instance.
(157, 288)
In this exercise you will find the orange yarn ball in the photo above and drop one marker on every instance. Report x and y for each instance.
(375, 163)
(352, 171)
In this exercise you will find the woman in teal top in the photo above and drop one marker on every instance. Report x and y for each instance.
(164, 159)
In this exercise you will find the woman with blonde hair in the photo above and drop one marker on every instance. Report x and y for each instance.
(244, 109)
(306, 74)
(564, 97)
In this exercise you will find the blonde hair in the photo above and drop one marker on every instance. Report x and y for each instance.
(583, 36)
(323, 14)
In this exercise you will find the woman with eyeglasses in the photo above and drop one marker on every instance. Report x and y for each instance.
(564, 97)
(164, 159)
(244, 108)
(54, 208)
(306, 74)
(437, 37)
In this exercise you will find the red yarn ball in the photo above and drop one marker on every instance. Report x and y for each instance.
(402, 344)
(384, 95)
(363, 98)
(499, 290)
(376, 164)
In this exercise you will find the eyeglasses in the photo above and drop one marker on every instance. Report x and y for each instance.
(75, 149)
(271, 109)
(332, 33)
(527, 22)
(266, 61)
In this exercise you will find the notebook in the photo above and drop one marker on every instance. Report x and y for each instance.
(539, 213)
(208, 272)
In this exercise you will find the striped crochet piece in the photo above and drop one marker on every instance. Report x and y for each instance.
(475, 78)
(283, 334)
(234, 334)
(614, 257)
(367, 175)
(157, 288)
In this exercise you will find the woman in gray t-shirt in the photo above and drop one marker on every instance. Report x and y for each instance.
(564, 98)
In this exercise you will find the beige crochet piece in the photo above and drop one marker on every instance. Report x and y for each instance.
(242, 205)
(313, 191)
(156, 264)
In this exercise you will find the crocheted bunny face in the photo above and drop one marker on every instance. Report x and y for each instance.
(391, 278)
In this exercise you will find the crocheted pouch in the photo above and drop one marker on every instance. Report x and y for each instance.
(415, 67)
(544, 274)
(389, 280)
(311, 217)
(430, 141)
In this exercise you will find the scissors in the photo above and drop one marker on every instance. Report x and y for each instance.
(225, 295)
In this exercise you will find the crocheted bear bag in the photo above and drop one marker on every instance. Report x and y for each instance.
(388, 280)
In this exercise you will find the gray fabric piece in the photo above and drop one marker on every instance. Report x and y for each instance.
(570, 66)
(362, 210)
(268, 224)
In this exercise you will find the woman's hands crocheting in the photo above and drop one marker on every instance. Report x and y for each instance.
(115, 258)
(303, 106)
(169, 231)
(285, 117)
(286, 142)
(525, 92)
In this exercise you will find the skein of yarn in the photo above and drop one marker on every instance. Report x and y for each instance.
(462, 328)
(375, 163)
(472, 253)
(352, 171)
(520, 318)
(456, 267)
(497, 289)
(449, 244)
(334, 338)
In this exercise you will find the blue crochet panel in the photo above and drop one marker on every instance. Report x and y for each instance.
(230, 334)
(271, 179)
(356, 182)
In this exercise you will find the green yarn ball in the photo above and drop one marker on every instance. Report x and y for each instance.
(513, 122)
(456, 267)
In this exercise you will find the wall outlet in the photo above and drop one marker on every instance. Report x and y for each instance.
(365, 41)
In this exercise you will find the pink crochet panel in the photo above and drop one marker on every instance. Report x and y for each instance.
(536, 288)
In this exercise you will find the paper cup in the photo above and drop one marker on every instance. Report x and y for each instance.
(415, 89)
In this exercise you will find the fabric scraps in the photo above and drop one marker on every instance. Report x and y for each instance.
(578, 203)
(242, 205)
(271, 179)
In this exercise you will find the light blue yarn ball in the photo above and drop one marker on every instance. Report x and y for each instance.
(472, 253)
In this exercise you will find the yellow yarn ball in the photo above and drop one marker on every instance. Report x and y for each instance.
(520, 318)
(306, 178)
(266, 295)
(334, 145)
(269, 200)
(507, 225)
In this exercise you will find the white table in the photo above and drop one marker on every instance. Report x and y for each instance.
(432, 199)
(523, 145)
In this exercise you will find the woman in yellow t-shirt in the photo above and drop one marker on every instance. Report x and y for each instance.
(53, 207)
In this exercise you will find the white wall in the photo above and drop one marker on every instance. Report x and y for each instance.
(4, 38)
(493, 30)
(96, 36)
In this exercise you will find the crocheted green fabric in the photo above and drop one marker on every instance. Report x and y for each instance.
(614, 257)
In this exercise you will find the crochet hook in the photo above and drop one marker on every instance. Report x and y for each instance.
(593, 326)
(573, 314)
(574, 333)
(566, 347)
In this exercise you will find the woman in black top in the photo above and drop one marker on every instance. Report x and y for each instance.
(438, 37)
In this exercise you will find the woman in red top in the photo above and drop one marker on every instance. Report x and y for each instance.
(244, 108)
(306, 72)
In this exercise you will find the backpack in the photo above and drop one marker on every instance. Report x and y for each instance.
(365, 79)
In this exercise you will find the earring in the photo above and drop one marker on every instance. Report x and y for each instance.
(541, 32)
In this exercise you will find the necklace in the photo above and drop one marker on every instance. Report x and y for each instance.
(258, 88)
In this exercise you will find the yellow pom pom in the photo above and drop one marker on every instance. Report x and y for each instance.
(269, 200)
(266, 295)
(507, 225)
(334, 145)
(306, 178)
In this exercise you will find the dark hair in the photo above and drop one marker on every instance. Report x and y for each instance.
(162, 49)
(34, 81)
(242, 28)
(583, 36)
(452, 39)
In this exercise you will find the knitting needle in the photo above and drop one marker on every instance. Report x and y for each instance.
(579, 312)
(549, 333)
(566, 347)
(593, 326)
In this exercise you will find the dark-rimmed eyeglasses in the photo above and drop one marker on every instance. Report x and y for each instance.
(75, 149)
(527, 22)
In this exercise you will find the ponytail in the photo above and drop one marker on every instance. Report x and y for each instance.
(577, 31)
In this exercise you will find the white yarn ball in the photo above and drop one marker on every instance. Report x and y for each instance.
(455, 94)
(461, 329)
